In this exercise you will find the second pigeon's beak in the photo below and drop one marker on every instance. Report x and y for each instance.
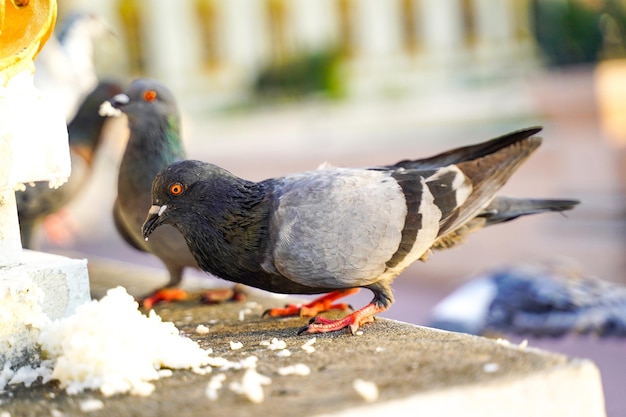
(154, 220)
(111, 107)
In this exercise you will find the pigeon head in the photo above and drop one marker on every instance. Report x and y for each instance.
(182, 188)
(213, 209)
(144, 99)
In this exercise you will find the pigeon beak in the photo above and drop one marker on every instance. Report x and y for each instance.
(153, 220)
(111, 108)
(119, 100)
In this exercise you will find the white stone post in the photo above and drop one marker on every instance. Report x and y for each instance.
(245, 36)
(378, 34)
(315, 24)
(172, 46)
(441, 28)
(495, 30)
(34, 287)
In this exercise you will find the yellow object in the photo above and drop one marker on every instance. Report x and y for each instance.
(610, 86)
(25, 26)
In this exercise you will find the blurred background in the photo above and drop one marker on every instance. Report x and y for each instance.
(268, 87)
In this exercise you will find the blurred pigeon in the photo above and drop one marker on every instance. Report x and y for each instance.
(551, 299)
(85, 131)
(154, 143)
(337, 229)
(65, 66)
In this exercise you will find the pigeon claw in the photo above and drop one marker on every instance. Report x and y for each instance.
(164, 294)
(352, 321)
(319, 305)
(324, 325)
(60, 227)
(217, 296)
(288, 311)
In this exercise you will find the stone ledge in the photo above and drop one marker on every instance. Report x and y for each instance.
(43, 287)
(416, 370)
(64, 281)
(573, 389)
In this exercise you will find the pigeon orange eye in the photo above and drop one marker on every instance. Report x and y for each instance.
(176, 188)
(149, 95)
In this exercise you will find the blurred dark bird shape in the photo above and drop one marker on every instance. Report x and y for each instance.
(539, 299)
(38, 201)
(336, 230)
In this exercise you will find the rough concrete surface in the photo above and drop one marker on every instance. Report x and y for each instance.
(414, 368)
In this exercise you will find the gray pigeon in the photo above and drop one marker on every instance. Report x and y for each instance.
(38, 201)
(549, 299)
(154, 143)
(336, 230)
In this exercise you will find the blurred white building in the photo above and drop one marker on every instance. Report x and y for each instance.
(388, 46)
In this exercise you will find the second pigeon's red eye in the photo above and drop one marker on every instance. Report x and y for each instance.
(176, 188)
(149, 95)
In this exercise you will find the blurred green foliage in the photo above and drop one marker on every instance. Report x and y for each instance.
(314, 73)
(579, 32)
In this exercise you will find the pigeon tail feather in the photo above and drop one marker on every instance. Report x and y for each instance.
(503, 209)
(488, 173)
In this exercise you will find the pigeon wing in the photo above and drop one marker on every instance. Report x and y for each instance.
(336, 228)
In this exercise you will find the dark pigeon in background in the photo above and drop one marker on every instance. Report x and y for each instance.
(36, 202)
(539, 299)
(153, 144)
(336, 230)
